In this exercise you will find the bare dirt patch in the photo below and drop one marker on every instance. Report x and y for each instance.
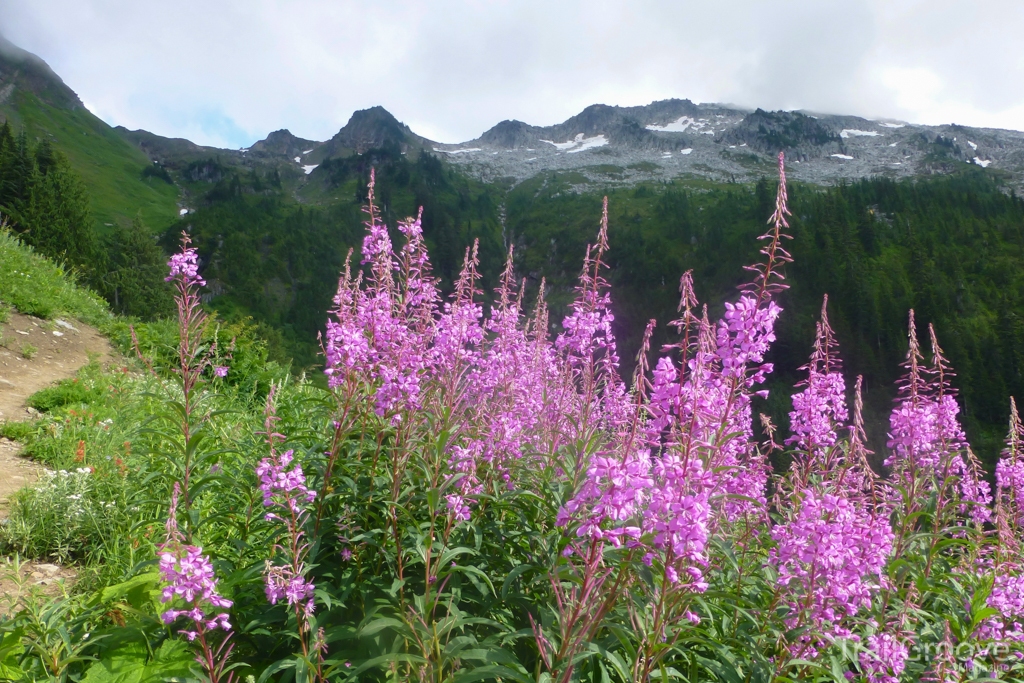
(34, 354)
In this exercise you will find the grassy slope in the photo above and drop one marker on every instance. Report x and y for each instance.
(109, 166)
(37, 286)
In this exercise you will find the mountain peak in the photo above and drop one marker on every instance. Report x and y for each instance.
(20, 69)
(283, 142)
(370, 128)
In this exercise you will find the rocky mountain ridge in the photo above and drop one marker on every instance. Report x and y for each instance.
(672, 138)
(610, 145)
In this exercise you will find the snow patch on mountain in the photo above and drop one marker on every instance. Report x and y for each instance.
(458, 151)
(853, 132)
(680, 125)
(579, 143)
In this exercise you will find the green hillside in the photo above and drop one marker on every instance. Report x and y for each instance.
(110, 167)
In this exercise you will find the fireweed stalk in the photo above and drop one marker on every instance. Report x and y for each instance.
(833, 543)
(707, 471)
(287, 498)
(190, 579)
(194, 358)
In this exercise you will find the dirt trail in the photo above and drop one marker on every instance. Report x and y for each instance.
(57, 350)
(34, 354)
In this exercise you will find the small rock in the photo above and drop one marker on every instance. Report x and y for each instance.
(58, 334)
(65, 324)
(6, 383)
(32, 411)
(22, 332)
(48, 568)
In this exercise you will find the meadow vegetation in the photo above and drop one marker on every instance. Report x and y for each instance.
(468, 497)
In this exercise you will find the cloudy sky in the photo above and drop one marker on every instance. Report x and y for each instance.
(227, 72)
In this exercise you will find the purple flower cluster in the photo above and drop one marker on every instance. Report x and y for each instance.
(184, 266)
(884, 659)
(282, 583)
(831, 556)
(189, 576)
(285, 491)
(283, 487)
(706, 470)
(1010, 469)
(462, 462)
(926, 441)
(820, 409)
(495, 378)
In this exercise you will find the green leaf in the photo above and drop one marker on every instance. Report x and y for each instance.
(131, 664)
(11, 649)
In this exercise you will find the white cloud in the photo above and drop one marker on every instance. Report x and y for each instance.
(227, 73)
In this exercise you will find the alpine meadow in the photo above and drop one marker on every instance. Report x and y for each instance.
(667, 405)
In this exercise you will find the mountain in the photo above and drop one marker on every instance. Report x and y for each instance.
(373, 128)
(35, 99)
(609, 146)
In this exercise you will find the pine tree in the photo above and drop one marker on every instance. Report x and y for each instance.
(134, 278)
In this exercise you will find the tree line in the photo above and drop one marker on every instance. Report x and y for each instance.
(44, 201)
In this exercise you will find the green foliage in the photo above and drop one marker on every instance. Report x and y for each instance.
(16, 431)
(46, 200)
(157, 171)
(66, 392)
(36, 286)
(133, 281)
(134, 663)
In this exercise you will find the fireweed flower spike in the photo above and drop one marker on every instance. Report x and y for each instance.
(286, 496)
(928, 445)
(820, 409)
(1010, 471)
(831, 558)
(190, 579)
(194, 356)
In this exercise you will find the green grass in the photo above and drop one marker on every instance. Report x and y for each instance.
(110, 167)
(67, 392)
(37, 286)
